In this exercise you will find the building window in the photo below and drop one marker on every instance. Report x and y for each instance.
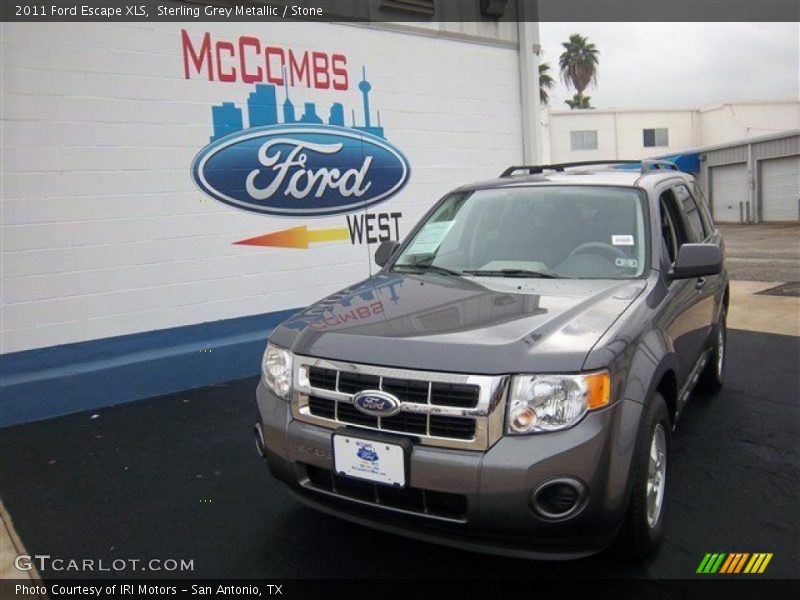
(583, 140)
(655, 137)
(421, 7)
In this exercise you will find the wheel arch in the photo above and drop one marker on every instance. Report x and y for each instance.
(653, 368)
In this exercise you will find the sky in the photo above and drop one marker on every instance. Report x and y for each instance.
(681, 65)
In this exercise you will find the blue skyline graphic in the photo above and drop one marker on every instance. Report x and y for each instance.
(262, 110)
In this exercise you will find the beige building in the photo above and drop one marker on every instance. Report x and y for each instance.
(616, 133)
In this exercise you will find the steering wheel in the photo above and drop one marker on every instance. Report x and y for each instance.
(590, 247)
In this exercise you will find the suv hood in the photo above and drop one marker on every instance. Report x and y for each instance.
(486, 325)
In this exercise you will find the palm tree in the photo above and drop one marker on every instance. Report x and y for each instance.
(579, 101)
(578, 65)
(546, 82)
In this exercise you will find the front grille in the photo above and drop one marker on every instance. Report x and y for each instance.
(321, 407)
(349, 414)
(406, 422)
(406, 390)
(461, 428)
(440, 409)
(324, 379)
(454, 394)
(350, 383)
(409, 499)
(452, 427)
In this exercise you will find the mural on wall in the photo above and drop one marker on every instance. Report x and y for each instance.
(298, 160)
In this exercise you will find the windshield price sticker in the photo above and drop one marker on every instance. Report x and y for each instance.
(622, 240)
(430, 238)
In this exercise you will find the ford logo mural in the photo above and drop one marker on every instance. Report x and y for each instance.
(376, 404)
(301, 170)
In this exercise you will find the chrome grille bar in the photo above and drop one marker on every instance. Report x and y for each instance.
(487, 415)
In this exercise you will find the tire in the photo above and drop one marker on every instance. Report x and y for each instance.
(713, 375)
(643, 527)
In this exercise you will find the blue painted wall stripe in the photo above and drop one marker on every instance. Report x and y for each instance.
(48, 382)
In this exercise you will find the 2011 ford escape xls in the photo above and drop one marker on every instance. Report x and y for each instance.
(509, 381)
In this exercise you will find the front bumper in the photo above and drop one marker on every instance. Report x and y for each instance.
(496, 485)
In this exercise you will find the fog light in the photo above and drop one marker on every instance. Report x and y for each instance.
(559, 498)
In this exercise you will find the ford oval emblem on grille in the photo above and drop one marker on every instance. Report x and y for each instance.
(376, 404)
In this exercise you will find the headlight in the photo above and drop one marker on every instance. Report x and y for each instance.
(551, 402)
(276, 369)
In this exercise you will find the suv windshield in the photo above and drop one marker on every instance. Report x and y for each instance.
(545, 231)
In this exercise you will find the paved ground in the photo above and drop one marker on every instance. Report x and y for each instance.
(178, 477)
(753, 310)
(769, 252)
(11, 547)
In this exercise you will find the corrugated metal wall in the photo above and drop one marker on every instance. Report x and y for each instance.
(726, 156)
(750, 153)
(788, 146)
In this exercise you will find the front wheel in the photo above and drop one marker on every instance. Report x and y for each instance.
(712, 377)
(643, 528)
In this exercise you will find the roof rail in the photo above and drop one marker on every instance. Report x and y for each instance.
(646, 166)
(536, 169)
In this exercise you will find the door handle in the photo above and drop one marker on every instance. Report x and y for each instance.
(700, 283)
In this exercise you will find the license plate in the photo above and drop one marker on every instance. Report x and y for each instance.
(372, 460)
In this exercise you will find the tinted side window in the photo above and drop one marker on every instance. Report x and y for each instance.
(668, 242)
(702, 203)
(673, 233)
(697, 229)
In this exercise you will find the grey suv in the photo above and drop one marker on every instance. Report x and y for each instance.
(509, 380)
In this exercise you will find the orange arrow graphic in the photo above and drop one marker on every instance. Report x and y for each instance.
(297, 237)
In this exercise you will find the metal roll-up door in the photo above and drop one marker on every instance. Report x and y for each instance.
(729, 192)
(780, 189)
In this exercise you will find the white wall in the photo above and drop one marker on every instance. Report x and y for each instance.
(561, 126)
(630, 141)
(724, 123)
(619, 131)
(103, 231)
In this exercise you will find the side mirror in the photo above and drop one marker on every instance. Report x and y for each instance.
(697, 260)
(385, 252)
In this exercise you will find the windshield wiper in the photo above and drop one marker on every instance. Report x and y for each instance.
(422, 268)
(514, 273)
